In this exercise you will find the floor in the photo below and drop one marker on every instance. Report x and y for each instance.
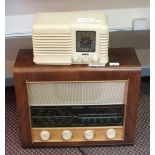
(142, 139)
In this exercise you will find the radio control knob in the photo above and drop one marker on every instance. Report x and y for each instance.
(75, 58)
(89, 134)
(94, 59)
(111, 133)
(44, 135)
(85, 59)
(67, 135)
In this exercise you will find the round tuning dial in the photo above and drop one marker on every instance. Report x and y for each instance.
(44, 135)
(75, 58)
(89, 134)
(111, 133)
(94, 59)
(85, 59)
(67, 134)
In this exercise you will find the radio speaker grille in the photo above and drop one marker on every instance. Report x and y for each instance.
(104, 39)
(52, 43)
(76, 93)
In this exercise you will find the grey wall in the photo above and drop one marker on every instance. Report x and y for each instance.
(16, 7)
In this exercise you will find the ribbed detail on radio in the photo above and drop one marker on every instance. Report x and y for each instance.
(103, 43)
(52, 43)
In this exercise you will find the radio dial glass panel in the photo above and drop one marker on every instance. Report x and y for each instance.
(85, 41)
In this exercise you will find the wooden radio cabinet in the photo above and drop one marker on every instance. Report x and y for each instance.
(77, 105)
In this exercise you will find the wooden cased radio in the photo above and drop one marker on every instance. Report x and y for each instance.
(77, 105)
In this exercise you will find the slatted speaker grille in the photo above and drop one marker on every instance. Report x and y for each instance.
(76, 93)
(55, 43)
(103, 42)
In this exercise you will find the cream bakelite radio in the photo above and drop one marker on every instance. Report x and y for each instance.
(70, 38)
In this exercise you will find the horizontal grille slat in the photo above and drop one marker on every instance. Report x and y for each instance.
(52, 43)
(52, 48)
(104, 53)
(52, 34)
(103, 43)
(103, 49)
(52, 38)
(50, 52)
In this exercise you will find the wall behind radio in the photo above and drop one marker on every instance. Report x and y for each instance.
(17, 7)
(20, 13)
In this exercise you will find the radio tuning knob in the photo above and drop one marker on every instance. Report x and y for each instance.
(85, 59)
(89, 134)
(44, 135)
(94, 59)
(67, 134)
(111, 133)
(75, 58)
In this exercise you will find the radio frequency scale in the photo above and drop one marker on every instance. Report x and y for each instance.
(77, 105)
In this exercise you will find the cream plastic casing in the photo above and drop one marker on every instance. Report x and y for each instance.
(54, 38)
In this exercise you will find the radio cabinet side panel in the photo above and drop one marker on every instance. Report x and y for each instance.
(132, 104)
(23, 111)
